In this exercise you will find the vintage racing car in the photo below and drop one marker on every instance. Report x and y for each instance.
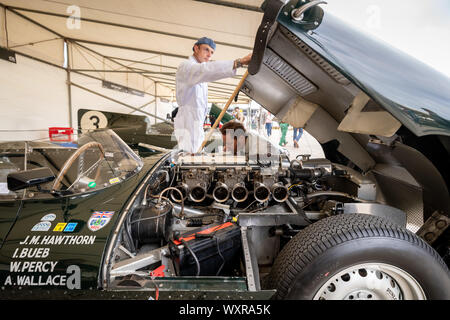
(369, 221)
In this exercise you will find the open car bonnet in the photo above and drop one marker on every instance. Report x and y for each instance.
(319, 73)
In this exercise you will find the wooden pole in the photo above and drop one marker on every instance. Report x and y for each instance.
(222, 113)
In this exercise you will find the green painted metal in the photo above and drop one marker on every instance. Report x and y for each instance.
(417, 95)
(216, 110)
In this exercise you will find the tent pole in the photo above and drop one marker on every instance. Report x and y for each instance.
(69, 87)
(156, 100)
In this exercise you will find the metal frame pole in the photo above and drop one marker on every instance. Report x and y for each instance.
(69, 81)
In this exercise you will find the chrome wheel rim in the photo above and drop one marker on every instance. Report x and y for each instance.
(371, 281)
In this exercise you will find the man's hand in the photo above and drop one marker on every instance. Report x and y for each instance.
(246, 60)
(242, 61)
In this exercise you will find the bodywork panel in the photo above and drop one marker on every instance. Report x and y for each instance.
(322, 76)
(356, 95)
(132, 129)
(337, 61)
(75, 254)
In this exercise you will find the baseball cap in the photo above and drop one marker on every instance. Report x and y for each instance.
(205, 40)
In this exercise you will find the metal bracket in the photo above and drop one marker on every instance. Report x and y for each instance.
(128, 266)
(251, 265)
(297, 14)
(270, 17)
(434, 227)
(381, 210)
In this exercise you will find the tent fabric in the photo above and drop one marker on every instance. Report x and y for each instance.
(137, 44)
(28, 38)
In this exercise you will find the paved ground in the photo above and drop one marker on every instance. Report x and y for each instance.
(307, 144)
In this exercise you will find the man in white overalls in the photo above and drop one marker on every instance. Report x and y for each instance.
(192, 91)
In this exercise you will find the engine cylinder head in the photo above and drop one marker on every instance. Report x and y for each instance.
(198, 193)
(221, 192)
(184, 189)
(280, 193)
(239, 192)
(262, 192)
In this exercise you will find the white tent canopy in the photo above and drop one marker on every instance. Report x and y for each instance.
(67, 49)
(137, 43)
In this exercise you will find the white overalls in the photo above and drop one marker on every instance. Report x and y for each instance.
(192, 99)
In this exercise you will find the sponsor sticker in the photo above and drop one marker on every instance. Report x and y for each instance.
(49, 217)
(42, 226)
(114, 180)
(70, 227)
(99, 219)
(60, 227)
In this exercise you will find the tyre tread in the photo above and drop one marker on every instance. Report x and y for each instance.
(327, 233)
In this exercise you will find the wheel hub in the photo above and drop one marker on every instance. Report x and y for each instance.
(370, 282)
(360, 295)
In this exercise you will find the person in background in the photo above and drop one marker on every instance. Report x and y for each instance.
(174, 113)
(234, 112)
(268, 123)
(238, 115)
(257, 119)
(297, 135)
(284, 128)
(262, 120)
(234, 137)
(212, 120)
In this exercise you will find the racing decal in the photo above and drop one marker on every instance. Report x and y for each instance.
(70, 227)
(32, 264)
(71, 279)
(42, 226)
(99, 219)
(31, 253)
(60, 227)
(57, 240)
(114, 180)
(49, 217)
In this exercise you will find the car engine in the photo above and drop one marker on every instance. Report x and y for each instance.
(222, 215)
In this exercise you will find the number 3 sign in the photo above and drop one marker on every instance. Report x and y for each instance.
(92, 120)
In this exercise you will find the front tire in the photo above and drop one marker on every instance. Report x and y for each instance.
(358, 256)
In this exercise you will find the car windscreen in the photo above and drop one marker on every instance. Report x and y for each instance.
(95, 160)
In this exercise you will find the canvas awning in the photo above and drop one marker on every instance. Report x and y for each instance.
(137, 44)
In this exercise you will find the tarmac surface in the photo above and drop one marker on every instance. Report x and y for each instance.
(308, 145)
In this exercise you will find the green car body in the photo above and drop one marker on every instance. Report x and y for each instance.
(367, 103)
(35, 258)
(312, 73)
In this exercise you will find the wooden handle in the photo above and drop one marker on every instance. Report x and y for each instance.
(222, 113)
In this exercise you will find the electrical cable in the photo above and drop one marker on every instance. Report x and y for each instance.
(220, 254)
(193, 256)
(295, 185)
(155, 217)
(181, 197)
(213, 235)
